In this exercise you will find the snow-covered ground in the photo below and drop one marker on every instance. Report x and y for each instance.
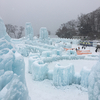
(45, 90)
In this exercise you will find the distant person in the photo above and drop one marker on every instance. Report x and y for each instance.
(96, 50)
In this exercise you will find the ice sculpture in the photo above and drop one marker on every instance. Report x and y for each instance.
(3, 32)
(29, 31)
(84, 76)
(30, 62)
(6, 55)
(63, 75)
(12, 68)
(5, 79)
(46, 54)
(71, 52)
(14, 90)
(50, 75)
(2, 28)
(94, 82)
(43, 33)
(77, 78)
(39, 70)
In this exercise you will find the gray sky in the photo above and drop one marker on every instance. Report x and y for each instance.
(44, 13)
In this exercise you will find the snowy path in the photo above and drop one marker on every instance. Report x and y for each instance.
(45, 90)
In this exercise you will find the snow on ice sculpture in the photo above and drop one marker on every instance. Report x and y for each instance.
(94, 83)
(29, 31)
(43, 33)
(84, 76)
(63, 75)
(39, 70)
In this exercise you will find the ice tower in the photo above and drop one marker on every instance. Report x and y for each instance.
(43, 33)
(29, 31)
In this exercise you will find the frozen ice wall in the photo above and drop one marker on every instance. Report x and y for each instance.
(29, 31)
(63, 75)
(84, 77)
(39, 70)
(94, 83)
(43, 33)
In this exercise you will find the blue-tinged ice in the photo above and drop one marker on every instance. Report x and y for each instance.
(84, 76)
(32, 58)
(29, 31)
(71, 52)
(12, 70)
(2, 28)
(43, 33)
(18, 67)
(6, 55)
(1, 72)
(46, 54)
(77, 78)
(5, 79)
(94, 83)
(14, 90)
(63, 75)
(50, 75)
(39, 70)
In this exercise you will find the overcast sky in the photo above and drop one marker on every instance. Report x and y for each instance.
(44, 13)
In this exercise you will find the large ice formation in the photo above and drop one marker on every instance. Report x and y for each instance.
(39, 70)
(12, 68)
(94, 82)
(29, 31)
(14, 89)
(63, 75)
(84, 76)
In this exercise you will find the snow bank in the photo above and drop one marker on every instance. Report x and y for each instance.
(63, 75)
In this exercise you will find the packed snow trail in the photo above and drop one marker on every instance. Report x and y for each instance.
(45, 90)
